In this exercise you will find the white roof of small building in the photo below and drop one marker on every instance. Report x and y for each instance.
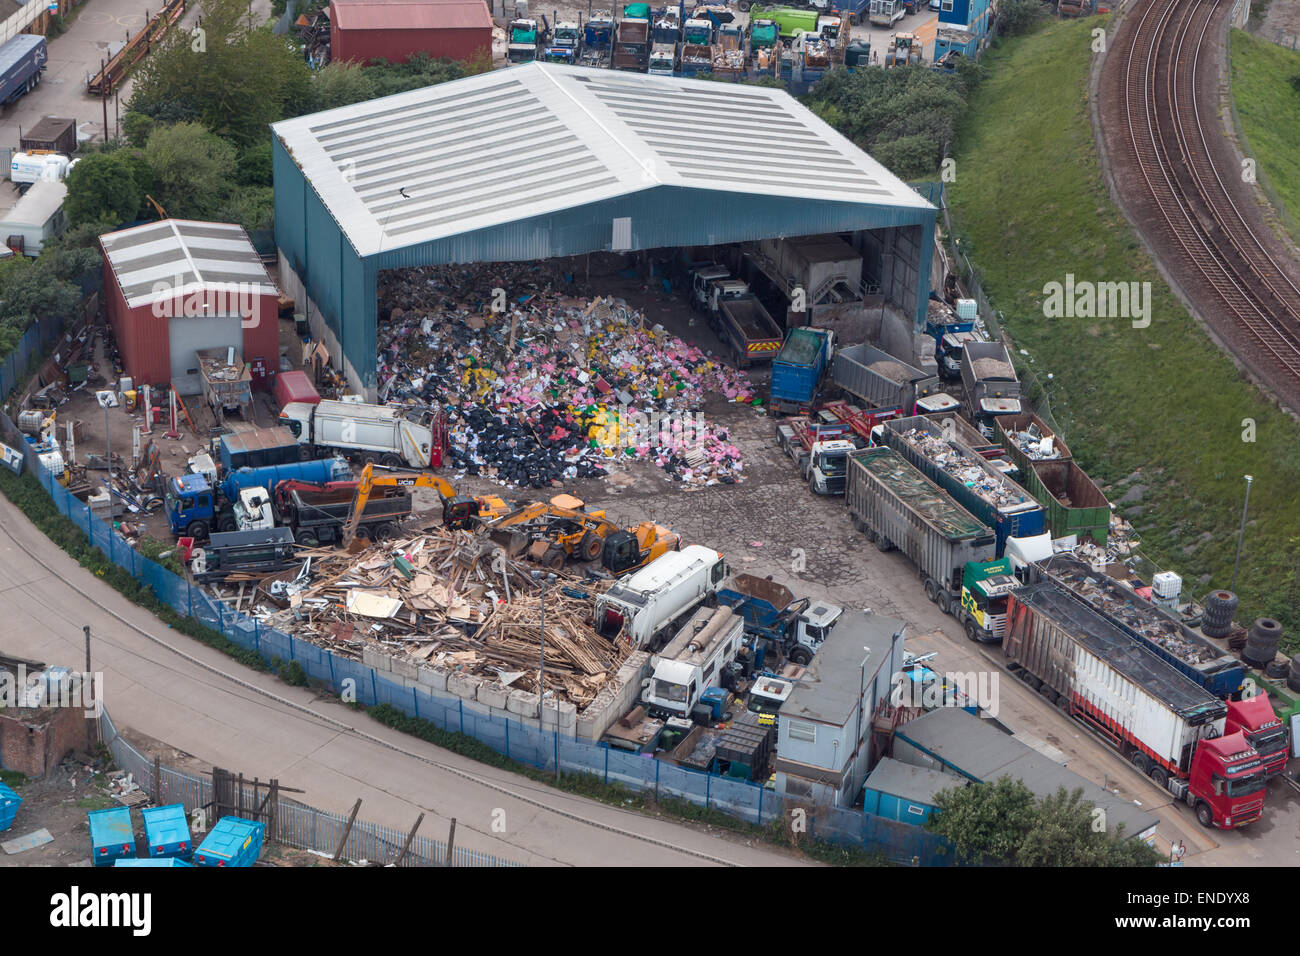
(539, 138)
(35, 207)
(161, 260)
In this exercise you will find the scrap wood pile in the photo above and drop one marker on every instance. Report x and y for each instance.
(555, 387)
(450, 599)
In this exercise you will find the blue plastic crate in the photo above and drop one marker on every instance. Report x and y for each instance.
(111, 835)
(9, 804)
(156, 861)
(167, 831)
(232, 842)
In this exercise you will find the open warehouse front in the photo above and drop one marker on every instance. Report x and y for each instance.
(544, 161)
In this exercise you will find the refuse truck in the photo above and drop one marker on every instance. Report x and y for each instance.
(394, 436)
(645, 608)
(1169, 727)
(795, 627)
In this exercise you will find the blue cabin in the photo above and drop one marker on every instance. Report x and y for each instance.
(899, 791)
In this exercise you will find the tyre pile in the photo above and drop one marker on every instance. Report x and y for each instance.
(553, 387)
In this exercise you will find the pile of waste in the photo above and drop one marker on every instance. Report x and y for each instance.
(449, 599)
(552, 387)
(964, 468)
(1035, 445)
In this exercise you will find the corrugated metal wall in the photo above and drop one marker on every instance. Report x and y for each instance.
(344, 287)
(400, 45)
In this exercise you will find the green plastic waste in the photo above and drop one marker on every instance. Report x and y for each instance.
(637, 11)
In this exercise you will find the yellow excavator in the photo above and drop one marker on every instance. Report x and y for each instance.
(458, 511)
(562, 528)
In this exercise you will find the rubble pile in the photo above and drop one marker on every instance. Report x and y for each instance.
(449, 599)
(1035, 445)
(992, 368)
(962, 466)
(556, 387)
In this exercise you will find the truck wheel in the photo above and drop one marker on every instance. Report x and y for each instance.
(972, 632)
(871, 535)
(801, 656)
(198, 530)
(590, 546)
(1139, 760)
(227, 524)
(1204, 816)
(391, 461)
(882, 543)
(932, 590)
(385, 531)
(1161, 777)
(944, 601)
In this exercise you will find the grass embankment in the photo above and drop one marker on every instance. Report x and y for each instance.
(1030, 205)
(1266, 91)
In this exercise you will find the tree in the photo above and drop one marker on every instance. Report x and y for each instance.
(194, 171)
(31, 290)
(1018, 16)
(253, 207)
(341, 84)
(233, 77)
(1003, 821)
(107, 188)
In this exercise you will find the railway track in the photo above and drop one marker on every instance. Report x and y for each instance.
(1168, 135)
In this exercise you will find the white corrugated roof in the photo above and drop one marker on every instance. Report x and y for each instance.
(35, 207)
(542, 137)
(179, 256)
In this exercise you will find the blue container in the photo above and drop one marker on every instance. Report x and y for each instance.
(715, 698)
(145, 861)
(111, 836)
(317, 471)
(167, 831)
(232, 842)
(9, 804)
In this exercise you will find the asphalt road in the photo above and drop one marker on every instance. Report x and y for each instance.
(174, 689)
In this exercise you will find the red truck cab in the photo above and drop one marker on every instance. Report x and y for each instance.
(1226, 783)
(1254, 717)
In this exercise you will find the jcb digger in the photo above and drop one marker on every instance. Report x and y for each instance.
(554, 531)
(458, 511)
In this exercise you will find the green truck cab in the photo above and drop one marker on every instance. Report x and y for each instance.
(984, 591)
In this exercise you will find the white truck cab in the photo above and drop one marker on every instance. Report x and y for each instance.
(253, 509)
(828, 464)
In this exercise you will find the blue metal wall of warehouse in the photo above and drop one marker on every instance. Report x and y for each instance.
(343, 285)
(892, 807)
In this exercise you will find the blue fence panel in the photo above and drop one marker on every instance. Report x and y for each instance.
(580, 756)
(436, 709)
(631, 770)
(272, 644)
(532, 746)
(314, 660)
(736, 797)
(683, 782)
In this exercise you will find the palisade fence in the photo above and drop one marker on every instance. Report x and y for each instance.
(296, 825)
(544, 750)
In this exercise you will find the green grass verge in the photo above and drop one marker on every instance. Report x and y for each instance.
(12, 779)
(1030, 206)
(1266, 91)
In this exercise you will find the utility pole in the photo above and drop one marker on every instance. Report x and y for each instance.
(1241, 534)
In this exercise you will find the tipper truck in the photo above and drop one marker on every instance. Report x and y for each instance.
(597, 39)
(992, 389)
(318, 517)
(645, 608)
(195, 508)
(390, 435)
(879, 378)
(771, 613)
(694, 660)
(798, 367)
(632, 45)
(972, 481)
(1165, 724)
(898, 507)
(739, 319)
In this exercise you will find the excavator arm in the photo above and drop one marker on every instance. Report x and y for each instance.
(369, 481)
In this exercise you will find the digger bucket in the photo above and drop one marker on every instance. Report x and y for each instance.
(514, 542)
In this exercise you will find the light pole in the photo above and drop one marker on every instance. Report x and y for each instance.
(541, 677)
(1241, 534)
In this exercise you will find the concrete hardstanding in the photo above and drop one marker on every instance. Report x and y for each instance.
(889, 497)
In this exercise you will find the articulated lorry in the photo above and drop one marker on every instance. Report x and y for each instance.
(390, 435)
(645, 608)
(795, 628)
(798, 368)
(695, 659)
(972, 481)
(1166, 725)
(896, 506)
(195, 508)
(1179, 646)
(21, 61)
(880, 379)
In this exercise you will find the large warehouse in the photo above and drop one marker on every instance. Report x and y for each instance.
(177, 286)
(541, 160)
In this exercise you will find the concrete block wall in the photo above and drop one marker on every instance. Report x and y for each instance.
(616, 699)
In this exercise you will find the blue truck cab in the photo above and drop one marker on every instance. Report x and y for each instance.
(191, 505)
